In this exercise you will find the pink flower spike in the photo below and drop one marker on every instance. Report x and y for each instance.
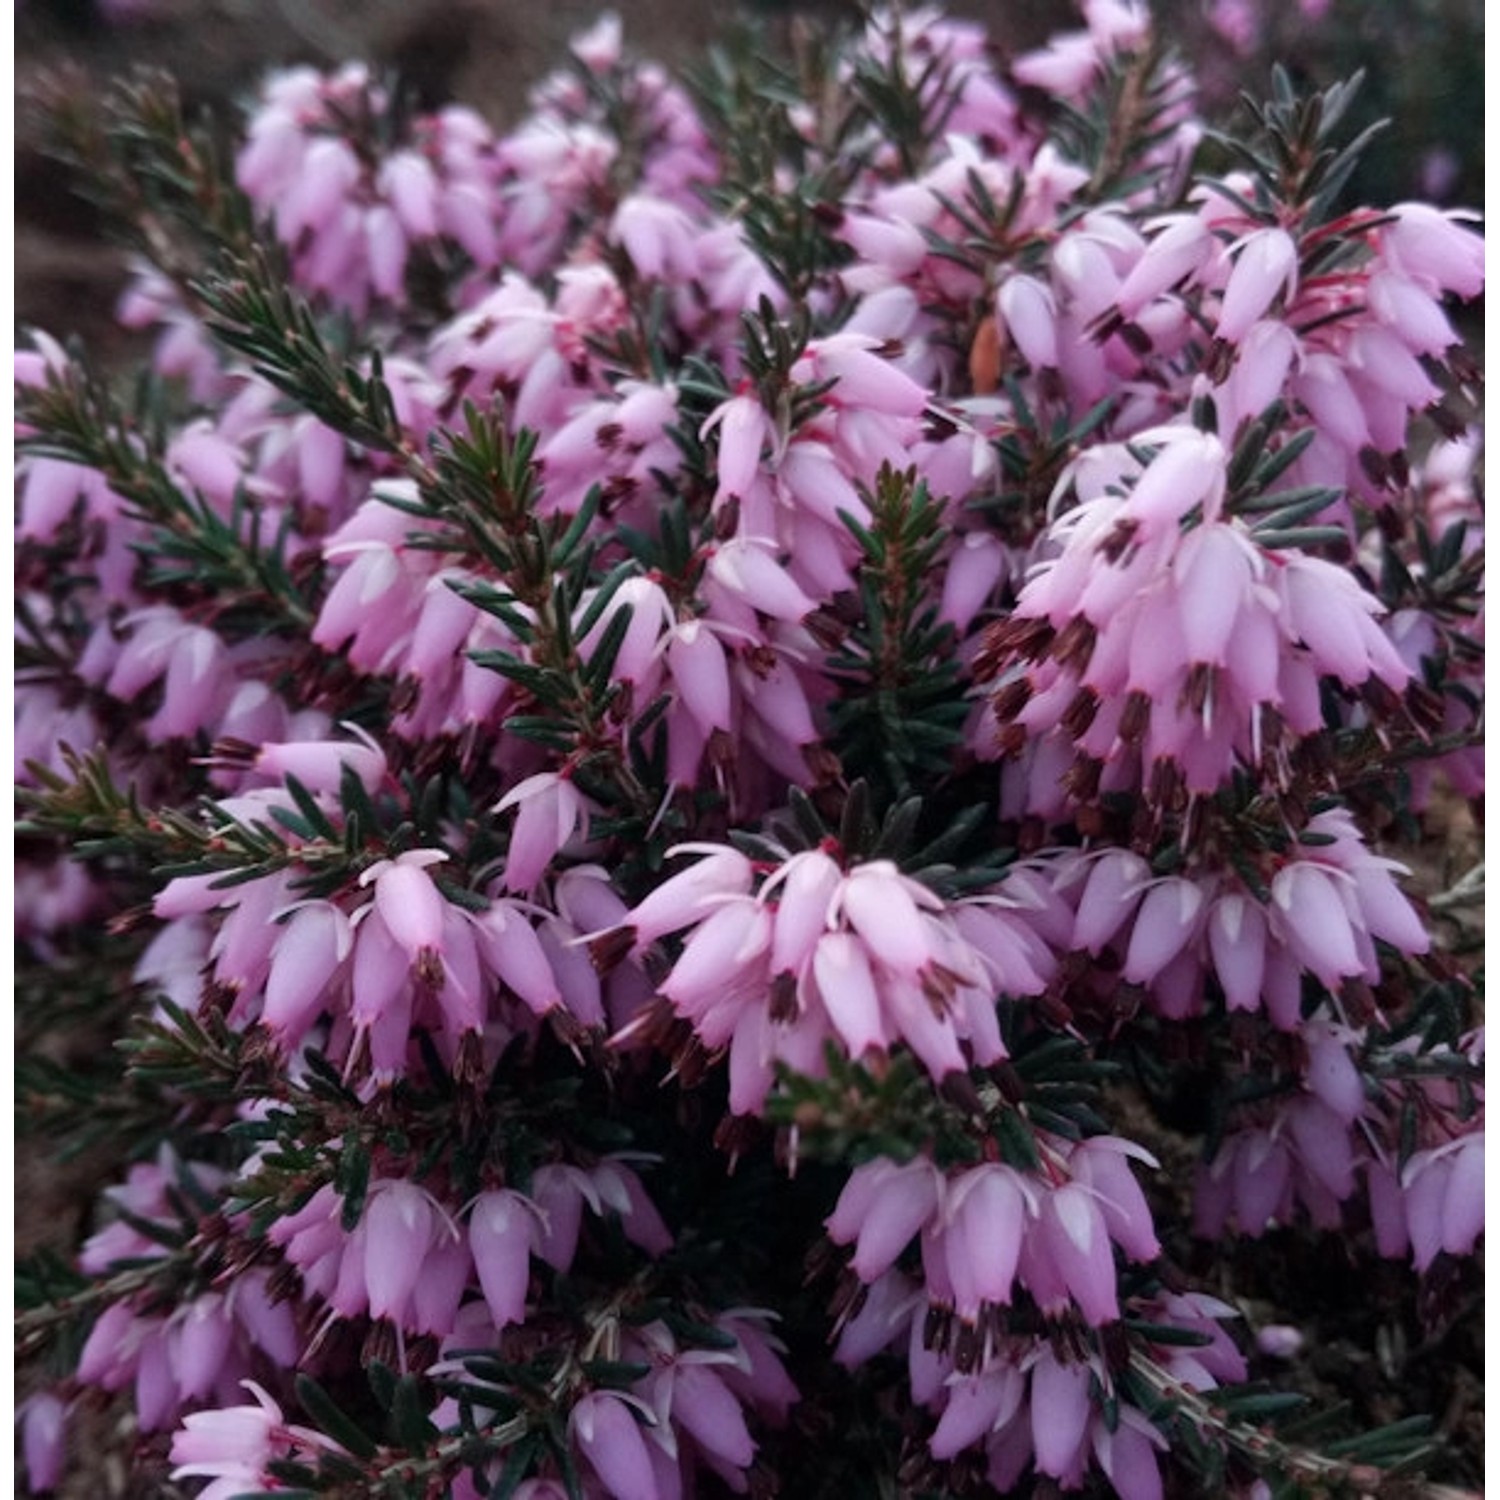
(559, 1192)
(1110, 895)
(238, 1438)
(1100, 1164)
(1426, 242)
(1315, 921)
(1182, 247)
(865, 380)
(1331, 1073)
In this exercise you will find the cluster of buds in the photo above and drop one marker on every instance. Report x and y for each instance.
(863, 957)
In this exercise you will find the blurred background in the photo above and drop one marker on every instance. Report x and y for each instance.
(1423, 61)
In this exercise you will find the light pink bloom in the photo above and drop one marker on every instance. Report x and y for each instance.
(984, 1221)
(1264, 268)
(43, 1421)
(503, 1233)
(881, 1209)
(691, 894)
(551, 811)
(611, 1439)
(409, 904)
(307, 954)
(1027, 308)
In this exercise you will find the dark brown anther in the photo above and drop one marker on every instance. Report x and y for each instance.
(380, 1344)
(1384, 701)
(784, 1008)
(736, 1134)
(1081, 780)
(721, 751)
(936, 1325)
(958, 1089)
(727, 519)
(608, 949)
(608, 436)
(1136, 339)
(132, 919)
(1012, 698)
(1376, 465)
(1198, 688)
(1107, 325)
(848, 1297)
(1358, 1000)
(216, 997)
(1011, 739)
(1135, 717)
(1090, 821)
(427, 970)
(1167, 790)
(405, 696)
(1005, 1078)
(1427, 708)
(827, 630)
(967, 1347)
(1017, 636)
(284, 1283)
(826, 769)
(260, 1046)
(1220, 361)
(762, 660)
(1114, 1344)
(230, 751)
(1031, 835)
(1054, 1011)
(1075, 644)
(1244, 1033)
(468, 1066)
(1080, 712)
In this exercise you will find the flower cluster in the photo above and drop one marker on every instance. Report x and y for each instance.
(716, 685)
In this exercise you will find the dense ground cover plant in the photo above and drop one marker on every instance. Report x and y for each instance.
(670, 736)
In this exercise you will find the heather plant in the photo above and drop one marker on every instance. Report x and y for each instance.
(728, 772)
